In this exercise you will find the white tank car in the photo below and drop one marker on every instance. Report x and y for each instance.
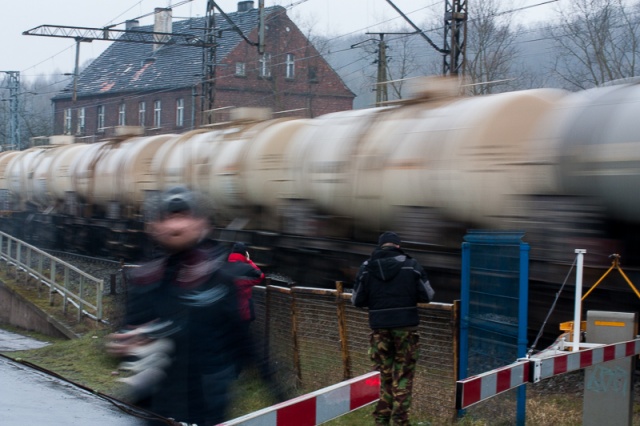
(463, 158)
(600, 149)
(179, 160)
(19, 171)
(267, 169)
(51, 179)
(117, 172)
(5, 160)
(322, 155)
(223, 179)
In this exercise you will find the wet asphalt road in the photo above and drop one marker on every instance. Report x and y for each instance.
(30, 397)
(17, 342)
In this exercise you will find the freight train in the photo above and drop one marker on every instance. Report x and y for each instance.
(563, 167)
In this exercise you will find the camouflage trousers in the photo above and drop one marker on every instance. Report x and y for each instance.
(394, 353)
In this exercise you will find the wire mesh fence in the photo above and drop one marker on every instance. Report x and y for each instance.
(315, 338)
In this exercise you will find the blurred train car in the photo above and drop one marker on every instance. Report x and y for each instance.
(562, 167)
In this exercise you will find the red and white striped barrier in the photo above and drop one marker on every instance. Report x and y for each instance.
(317, 407)
(477, 388)
(486, 385)
(572, 361)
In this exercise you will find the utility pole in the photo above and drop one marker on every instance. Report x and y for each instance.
(382, 95)
(209, 64)
(14, 118)
(455, 37)
(209, 54)
(381, 86)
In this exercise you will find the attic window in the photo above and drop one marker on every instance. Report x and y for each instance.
(313, 74)
(100, 116)
(264, 68)
(122, 114)
(290, 66)
(67, 121)
(240, 69)
(157, 113)
(81, 121)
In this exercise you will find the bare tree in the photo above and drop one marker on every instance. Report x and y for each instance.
(598, 41)
(402, 63)
(490, 49)
(36, 114)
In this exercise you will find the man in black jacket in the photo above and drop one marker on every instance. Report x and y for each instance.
(391, 284)
(180, 340)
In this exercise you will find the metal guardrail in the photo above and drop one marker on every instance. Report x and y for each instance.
(76, 287)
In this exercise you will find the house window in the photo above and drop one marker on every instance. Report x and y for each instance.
(313, 74)
(81, 122)
(180, 112)
(264, 65)
(122, 115)
(142, 112)
(101, 118)
(290, 73)
(240, 69)
(67, 121)
(157, 112)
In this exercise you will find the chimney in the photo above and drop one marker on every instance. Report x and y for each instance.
(162, 24)
(245, 6)
(132, 24)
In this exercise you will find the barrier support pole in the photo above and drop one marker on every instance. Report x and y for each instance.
(577, 314)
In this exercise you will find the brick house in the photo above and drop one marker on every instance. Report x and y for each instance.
(159, 86)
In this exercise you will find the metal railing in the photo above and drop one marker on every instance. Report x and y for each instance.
(76, 287)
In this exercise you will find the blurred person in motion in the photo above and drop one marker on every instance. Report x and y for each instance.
(391, 284)
(180, 339)
(246, 275)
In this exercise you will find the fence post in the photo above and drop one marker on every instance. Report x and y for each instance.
(294, 336)
(9, 249)
(80, 299)
(99, 299)
(266, 341)
(27, 266)
(342, 329)
(123, 276)
(112, 282)
(40, 276)
(66, 289)
(52, 284)
(455, 332)
(18, 260)
(18, 255)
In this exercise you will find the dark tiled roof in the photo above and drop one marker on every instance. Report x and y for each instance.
(133, 67)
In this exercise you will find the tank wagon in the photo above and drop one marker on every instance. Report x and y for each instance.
(561, 166)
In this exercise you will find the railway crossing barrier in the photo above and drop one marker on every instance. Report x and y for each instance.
(486, 385)
(316, 407)
(477, 388)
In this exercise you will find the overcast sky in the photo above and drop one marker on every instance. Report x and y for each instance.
(36, 55)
